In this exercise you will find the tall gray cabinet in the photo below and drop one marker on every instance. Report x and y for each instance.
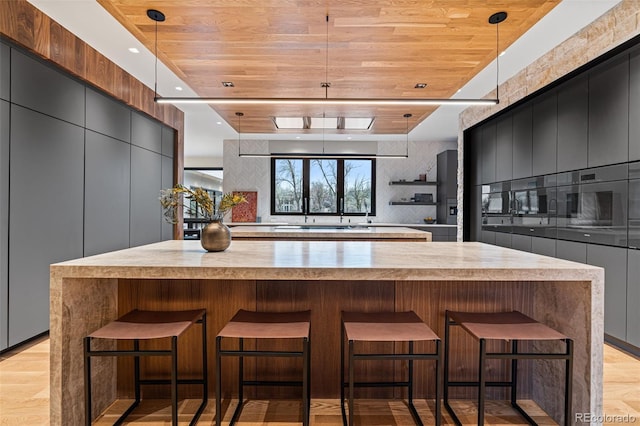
(582, 136)
(80, 174)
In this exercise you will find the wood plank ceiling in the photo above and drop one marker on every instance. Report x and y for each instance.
(286, 49)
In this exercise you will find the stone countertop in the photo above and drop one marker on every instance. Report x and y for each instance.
(329, 260)
(319, 231)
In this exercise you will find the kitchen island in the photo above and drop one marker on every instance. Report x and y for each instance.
(326, 277)
(309, 232)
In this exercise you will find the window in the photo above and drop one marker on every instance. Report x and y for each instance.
(322, 186)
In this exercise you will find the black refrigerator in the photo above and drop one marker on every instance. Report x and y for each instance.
(447, 167)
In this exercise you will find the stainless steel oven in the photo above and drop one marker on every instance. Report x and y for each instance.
(592, 205)
(496, 207)
(634, 205)
(534, 206)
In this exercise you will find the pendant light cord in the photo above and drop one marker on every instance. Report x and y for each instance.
(155, 77)
(497, 61)
(326, 60)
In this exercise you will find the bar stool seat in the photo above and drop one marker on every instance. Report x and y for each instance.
(265, 325)
(386, 327)
(508, 326)
(148, 325)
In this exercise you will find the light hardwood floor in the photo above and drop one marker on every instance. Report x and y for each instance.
(24, 399)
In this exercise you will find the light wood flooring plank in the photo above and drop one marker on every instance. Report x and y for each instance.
(24, 399)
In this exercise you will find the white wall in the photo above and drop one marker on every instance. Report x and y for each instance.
(254, 174)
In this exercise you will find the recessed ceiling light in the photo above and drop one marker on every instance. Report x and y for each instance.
(218, 122)
(297, 137)
(228, 84)
(179, 89)
(459, 90)
(420, 85)
(349, 137)
(503, 52)
(134, 50)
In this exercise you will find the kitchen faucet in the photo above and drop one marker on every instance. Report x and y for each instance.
(306, 209)
(341, 208)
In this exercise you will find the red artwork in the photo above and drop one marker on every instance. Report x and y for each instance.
(246, 212)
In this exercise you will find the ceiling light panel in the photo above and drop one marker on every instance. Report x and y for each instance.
(289, 122)
(360, 123)
(324, 123)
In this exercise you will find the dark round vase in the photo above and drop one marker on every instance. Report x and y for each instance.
(215, 236)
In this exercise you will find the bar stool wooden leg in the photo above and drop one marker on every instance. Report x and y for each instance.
(568, 382)
(87, 382)
(351, 368)
(481, 381)
(218, 383)
(438, 401)
(174, 381)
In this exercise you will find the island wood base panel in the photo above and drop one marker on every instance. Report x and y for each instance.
(326, 299)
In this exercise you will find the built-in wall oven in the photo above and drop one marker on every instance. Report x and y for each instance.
(634, 205)
(496, 207)
(592, 205)
(534, 206)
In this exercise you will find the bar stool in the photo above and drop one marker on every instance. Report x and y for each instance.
(510, 326)
(146, 325)
(265, 325)
(387, 327)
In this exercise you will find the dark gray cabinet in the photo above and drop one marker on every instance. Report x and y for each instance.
(167, 182)
(107, 116)
(614, 262)
(4, 223)
(522, 142)
(46, 213)
(543, 246)
(570, 250)
(146, 133)
(5, 69)
(42, 88)
(521, 242)
(475, 227)
(146, 179)
(488, 237)
(106, 194)
(503, 240)
(168, 141)
(634, 106)
(488, 153)
(609, 113)
(573, 124)
(633, 298)
(544, 134)
(473, 152)
(504, 148)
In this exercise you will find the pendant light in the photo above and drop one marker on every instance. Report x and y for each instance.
(158, 16)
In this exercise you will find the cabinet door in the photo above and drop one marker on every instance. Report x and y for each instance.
(544, 134)
(475, 218)
(521, 242)
(614, 262)
(609, 113)
(543, 246)
(522, 122)
(503, 240)
(488, 237)
(504, 149)
(4, 223)
(42, 88)
(106, 195)
(167, 182)
(168, 136)
(473, 154)
(570, 250)
(634, 106)
(5, 68)
(146, 181)
(489, 153)
(46, 210)
(107, 116)
(633, 298)
(573, 124)
(146, 133)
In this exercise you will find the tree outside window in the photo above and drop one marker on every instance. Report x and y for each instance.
(329, 186)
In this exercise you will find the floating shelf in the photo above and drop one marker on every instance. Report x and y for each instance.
(410, 203)
(412, 182)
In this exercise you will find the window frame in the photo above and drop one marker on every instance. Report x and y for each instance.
(306, 171)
